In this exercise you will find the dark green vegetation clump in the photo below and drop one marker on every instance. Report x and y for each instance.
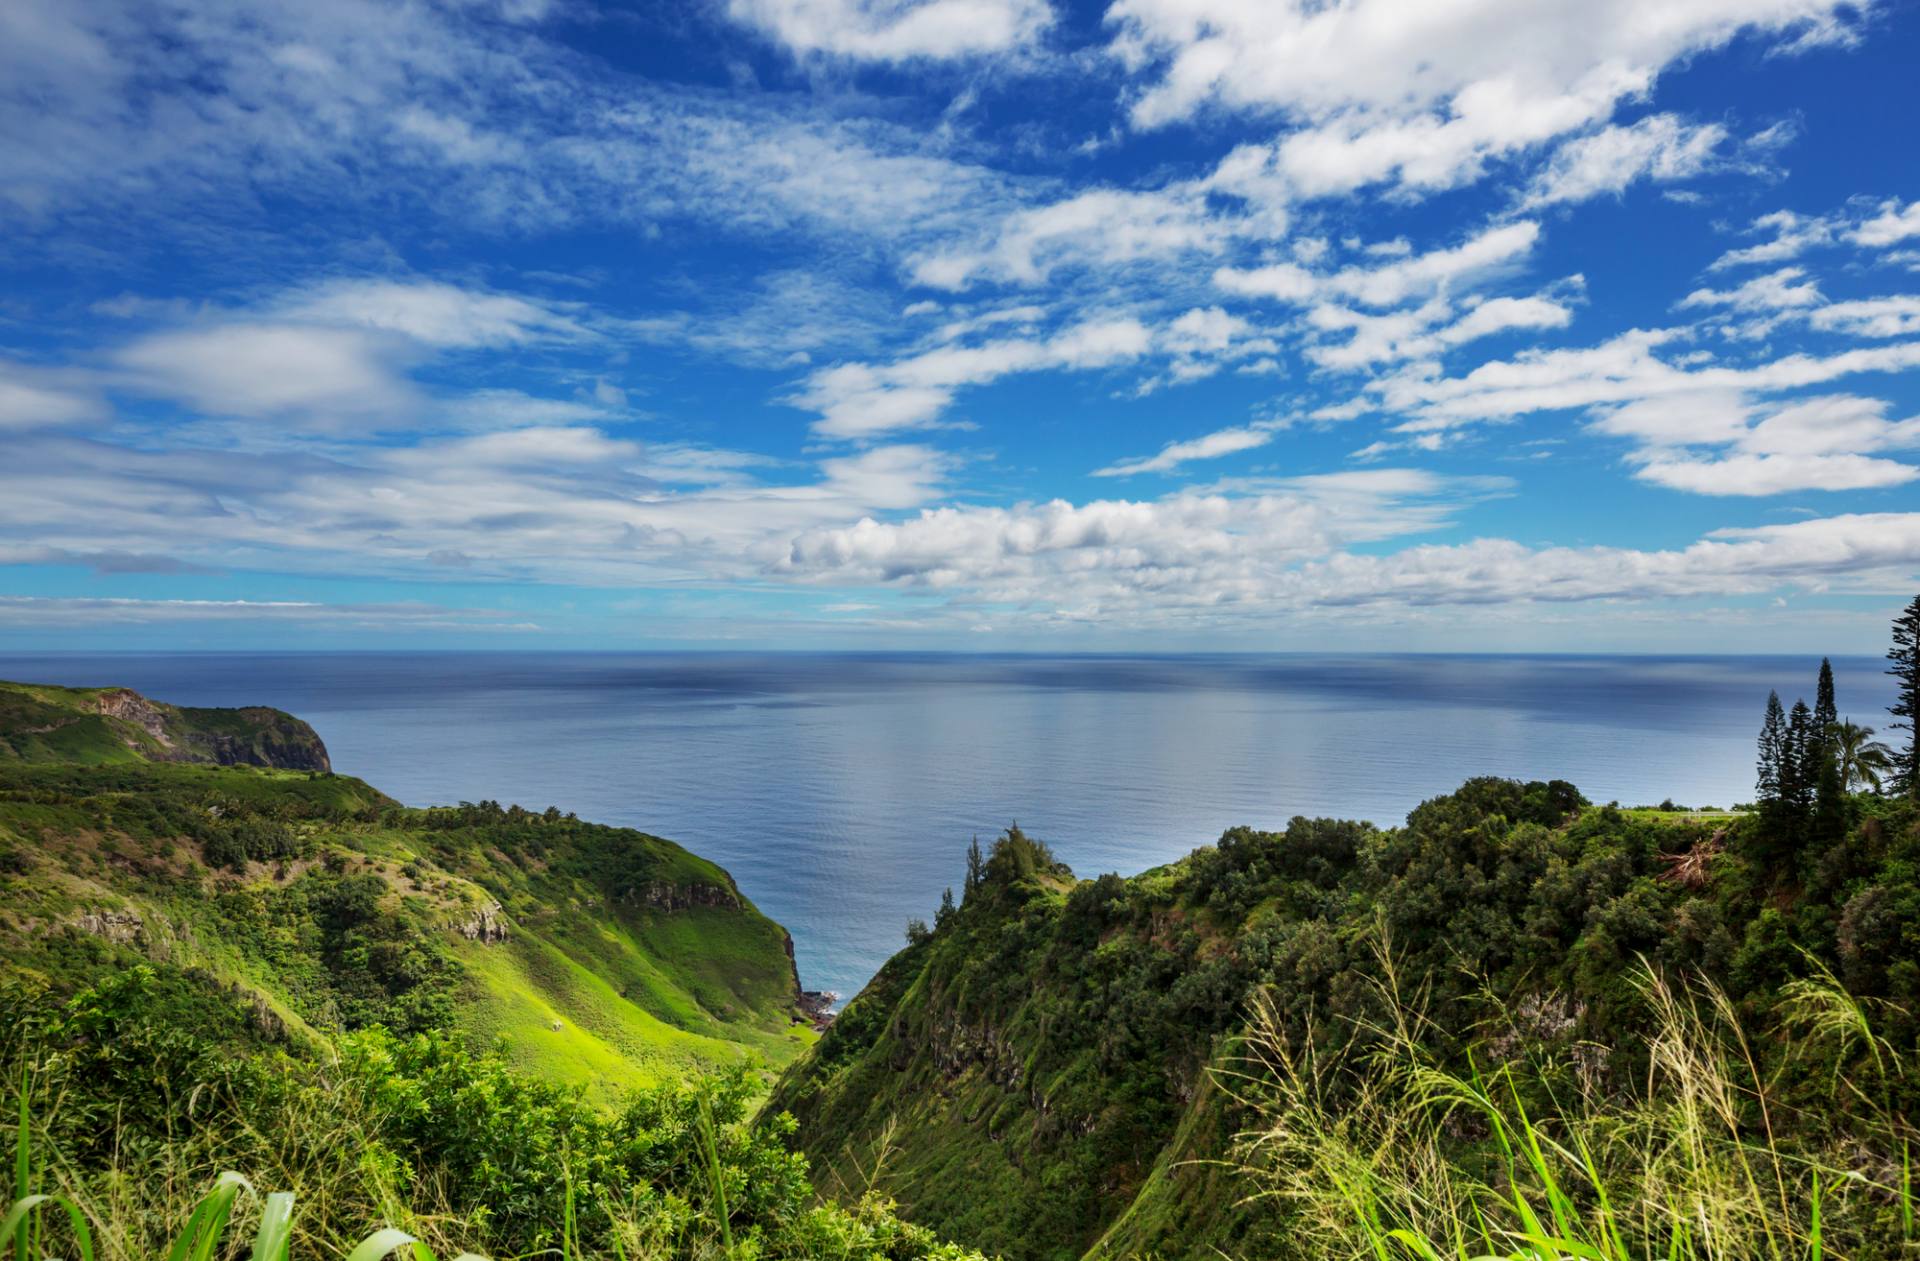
(1058, 1065)
(136, 1093)
(104, 725)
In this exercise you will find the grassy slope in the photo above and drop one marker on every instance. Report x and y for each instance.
(1044, 1072)
(106, 864)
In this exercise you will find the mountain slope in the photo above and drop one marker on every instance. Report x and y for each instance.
(1051, 1072)
(103, 725)
(601, 956)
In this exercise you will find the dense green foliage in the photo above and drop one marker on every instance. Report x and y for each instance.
(1049, 1055)
(137, 1099)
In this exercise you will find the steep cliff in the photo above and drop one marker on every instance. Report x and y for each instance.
(95, 726)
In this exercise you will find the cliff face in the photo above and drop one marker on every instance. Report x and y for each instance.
(1052, 1072)
(94, 726)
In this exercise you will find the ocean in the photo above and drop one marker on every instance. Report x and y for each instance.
(841, 790)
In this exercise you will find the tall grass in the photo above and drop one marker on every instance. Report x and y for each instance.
(1387, 1151)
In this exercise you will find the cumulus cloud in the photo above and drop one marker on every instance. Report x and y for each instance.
(1826, 443)
(1195, 556)
(1427, 95)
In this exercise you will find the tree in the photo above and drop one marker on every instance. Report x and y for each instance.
(946, 907)
(1860, 759)
(1905, 655)
(1825, 713)
(1800, 769)
(1773, 752)
(976, 869)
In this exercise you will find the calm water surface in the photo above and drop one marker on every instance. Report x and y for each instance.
(841, 791)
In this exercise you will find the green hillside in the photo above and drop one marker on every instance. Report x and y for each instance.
(491, 1028)
(596, 955)
(104, 725)
(1062, 1068)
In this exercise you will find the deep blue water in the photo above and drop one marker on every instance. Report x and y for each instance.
(841, 791)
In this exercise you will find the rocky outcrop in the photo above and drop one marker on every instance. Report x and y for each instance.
(817, 1007)
(662, 895)
(253, 736)
(123, 928)
(487, 925)
(129, 706)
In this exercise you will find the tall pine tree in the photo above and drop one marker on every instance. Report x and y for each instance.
(1773, 754)
(1799, 770)
(976, 870)
(1829, 792)
(1905, 655)
(1825, 712)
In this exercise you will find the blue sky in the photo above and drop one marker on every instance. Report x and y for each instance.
(982, 324)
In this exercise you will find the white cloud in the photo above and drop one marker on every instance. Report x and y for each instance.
(1426, 94)
(1103, 226)
(1774, 474)
(271, 369)
(858, 400)
(1894, 316)
(45, 613)
(1195, 557)
(1660, 147)
(1207, 447)
(1890, 226)
(1623, 369)
(1423, 331)
(432, 313)
(337, 355)
(33, 398)
(897, 30)
(1782, 290)
(1826, 443)
(1391, 283)
(1793, 235)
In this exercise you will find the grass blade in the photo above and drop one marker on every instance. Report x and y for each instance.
(272, 1238)
(23, 1208)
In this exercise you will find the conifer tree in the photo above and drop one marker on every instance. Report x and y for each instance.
(1773, 750)
(946, 907)
(1829, 791)
(976, 869)
(1799, 769)
(1825, 712)
(1905, 655)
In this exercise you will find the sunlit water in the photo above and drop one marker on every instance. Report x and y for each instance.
(841, 791)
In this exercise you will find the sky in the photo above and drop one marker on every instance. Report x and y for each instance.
(1155, 325)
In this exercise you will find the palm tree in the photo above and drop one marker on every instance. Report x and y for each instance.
(1863, 760)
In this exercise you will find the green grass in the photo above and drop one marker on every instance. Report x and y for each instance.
(1391, 1154)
